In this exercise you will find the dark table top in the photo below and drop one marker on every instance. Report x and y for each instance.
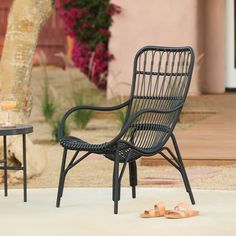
(19, 129)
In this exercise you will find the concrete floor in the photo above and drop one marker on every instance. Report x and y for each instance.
(88, 212)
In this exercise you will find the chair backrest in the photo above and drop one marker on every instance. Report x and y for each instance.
(161, 79)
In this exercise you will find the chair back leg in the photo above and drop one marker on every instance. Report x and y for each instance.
(182, 170)
(133, 179)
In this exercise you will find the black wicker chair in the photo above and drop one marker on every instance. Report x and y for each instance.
(161, 79)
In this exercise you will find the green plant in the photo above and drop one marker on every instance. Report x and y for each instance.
(48, 104)
(88, 23)
(55, 125)
(81, 117)
(121, 113)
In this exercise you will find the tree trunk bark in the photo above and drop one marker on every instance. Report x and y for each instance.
(25, 20)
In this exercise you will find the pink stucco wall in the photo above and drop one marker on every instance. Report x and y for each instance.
(169, 23)
(149, 22)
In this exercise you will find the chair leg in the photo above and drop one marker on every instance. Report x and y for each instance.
(133, 177)
(62, 178)
(182, 170)
(187, 184)
(116, 185)
(62, 185)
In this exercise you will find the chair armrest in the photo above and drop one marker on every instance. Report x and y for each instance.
(135, 117)
(145, 111)
(94, 108)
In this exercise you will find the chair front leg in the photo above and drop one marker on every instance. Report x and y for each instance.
(133, 179)
(61, 179)
(116, 184)
(182, 169)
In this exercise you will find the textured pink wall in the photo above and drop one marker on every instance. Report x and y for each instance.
(149, 22)
(198, 23)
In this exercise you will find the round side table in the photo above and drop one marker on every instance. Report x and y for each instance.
(20, 129)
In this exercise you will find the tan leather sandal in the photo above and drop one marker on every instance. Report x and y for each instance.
(181, 210)
(158, 211)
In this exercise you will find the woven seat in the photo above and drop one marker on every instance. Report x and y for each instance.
(73, 143)
(161, 80)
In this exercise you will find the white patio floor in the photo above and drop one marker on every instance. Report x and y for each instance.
(89, 212)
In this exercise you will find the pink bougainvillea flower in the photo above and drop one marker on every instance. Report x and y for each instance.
(88, 23)
(105, 32)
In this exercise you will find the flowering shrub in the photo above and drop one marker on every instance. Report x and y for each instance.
(88, 22)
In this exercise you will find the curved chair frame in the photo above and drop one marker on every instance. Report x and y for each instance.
(152, 113)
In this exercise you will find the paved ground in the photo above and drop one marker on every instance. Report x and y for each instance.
(96, 171)
(89, 212)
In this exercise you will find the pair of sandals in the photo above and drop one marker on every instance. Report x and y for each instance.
(181, 210)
